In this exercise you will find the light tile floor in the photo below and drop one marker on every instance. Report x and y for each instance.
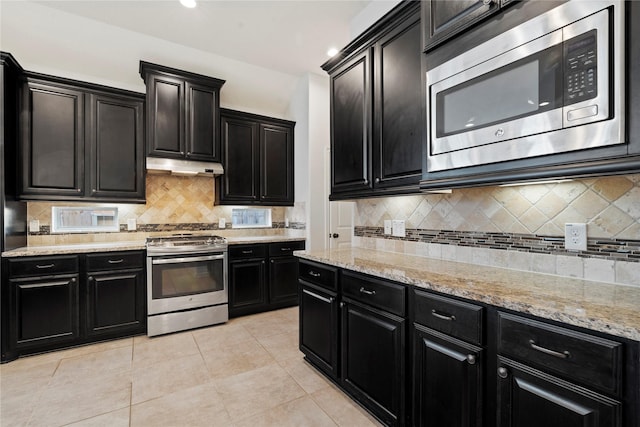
(247, 372)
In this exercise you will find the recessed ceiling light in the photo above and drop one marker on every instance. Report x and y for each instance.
(188, 3)
(332, 51)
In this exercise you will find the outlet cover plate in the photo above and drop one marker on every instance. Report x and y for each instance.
(575, 236)
(397, 226)
(387, 226)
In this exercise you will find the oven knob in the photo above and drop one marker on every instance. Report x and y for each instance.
(499, 132)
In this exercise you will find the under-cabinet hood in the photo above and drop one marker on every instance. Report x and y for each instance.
(183, 167)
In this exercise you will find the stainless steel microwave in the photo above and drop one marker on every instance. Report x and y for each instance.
(553, 84)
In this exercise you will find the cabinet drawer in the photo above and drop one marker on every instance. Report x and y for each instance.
(115, 261)
(247, 251)
(43, 266)
(377, 293)
(452, 317)
(285, 248)
(580, 357)
(319, 274)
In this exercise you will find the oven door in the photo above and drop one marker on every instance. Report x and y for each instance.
(185, 282)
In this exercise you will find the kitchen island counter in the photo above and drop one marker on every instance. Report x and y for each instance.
(605, 307)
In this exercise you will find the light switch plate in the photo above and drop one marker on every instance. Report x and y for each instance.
(575, 236)
(34, 226)
(132, 225)
(222, 223)
(398, 229)
(387, 226)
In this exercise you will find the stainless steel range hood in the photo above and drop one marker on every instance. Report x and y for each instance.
(183, 167)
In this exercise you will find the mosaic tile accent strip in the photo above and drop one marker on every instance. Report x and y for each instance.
(609, 249)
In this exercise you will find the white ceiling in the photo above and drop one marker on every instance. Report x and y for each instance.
(288, 36)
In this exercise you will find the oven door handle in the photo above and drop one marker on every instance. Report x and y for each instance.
(185, 259)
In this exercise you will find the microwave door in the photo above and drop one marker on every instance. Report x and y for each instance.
(510, 96)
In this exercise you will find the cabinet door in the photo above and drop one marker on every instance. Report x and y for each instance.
(203, 116)
(530, 398)
(52, 141)
(115, 302)
(44, 312)
(397, 139)
(373, 360)
(351, 106)
(443, 19)
(276, 164)
(165, 116)
(247, 290)
(116, 147)
(283, 280)
(319, 328)
(240, 147)
(447, 377)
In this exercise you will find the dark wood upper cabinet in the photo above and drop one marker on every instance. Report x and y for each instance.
(116, 154)
(443, 19)
(376, 109)
(52, 140)
(183, 112)
(257, 155)
(80, 141)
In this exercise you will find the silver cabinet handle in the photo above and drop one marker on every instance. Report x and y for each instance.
(471, 359)
(313, 273)
(285, 249)
(503, 373)
(320, 297)
(451, 317)
(562, 355)
(115, 261)
(366, 291)
(43, 266)
(247, 252)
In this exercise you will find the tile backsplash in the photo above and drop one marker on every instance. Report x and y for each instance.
(172, 202)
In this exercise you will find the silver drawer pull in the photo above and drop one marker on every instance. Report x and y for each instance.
(43, 266)
(313, 273)
(451, 317)
(247, 252)
(366, 291)
(321, 298)
(115, 261)
(564, 355)
(285, 249)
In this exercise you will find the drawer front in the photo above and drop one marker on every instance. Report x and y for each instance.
(452, 317)
(377, 293)
(115, 260)
(247, 251)
(285, 248)
(43, 266)
(580, 357)
(319, 274)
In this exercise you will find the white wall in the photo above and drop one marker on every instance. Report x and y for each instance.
(369, 15)
(50, 41)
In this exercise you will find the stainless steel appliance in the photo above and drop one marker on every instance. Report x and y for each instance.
(187, 283)
(552, 84)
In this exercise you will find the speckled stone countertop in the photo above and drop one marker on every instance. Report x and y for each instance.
(127, 246)
(604, 307)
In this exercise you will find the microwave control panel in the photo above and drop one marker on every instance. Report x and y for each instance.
(581, 68)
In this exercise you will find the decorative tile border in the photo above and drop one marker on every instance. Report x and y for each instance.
(609, 249)
(45, 230)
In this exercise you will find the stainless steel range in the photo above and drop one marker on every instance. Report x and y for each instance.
(186, 282)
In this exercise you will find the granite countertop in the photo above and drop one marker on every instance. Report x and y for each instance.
(127, 246)
(604, 307)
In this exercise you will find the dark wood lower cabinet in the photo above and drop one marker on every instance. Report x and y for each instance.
(319, 328)
(44, 311)
(448, 380)
(247, 292)
(283, 280)
(531, 398)
(373, 360)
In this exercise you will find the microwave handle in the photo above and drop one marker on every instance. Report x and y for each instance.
(186, 259)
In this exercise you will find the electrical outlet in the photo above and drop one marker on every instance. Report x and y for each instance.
(222, 223)
(387, 226)
(575, 236)
(34, 226)
(397, 226)
(132, 224)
